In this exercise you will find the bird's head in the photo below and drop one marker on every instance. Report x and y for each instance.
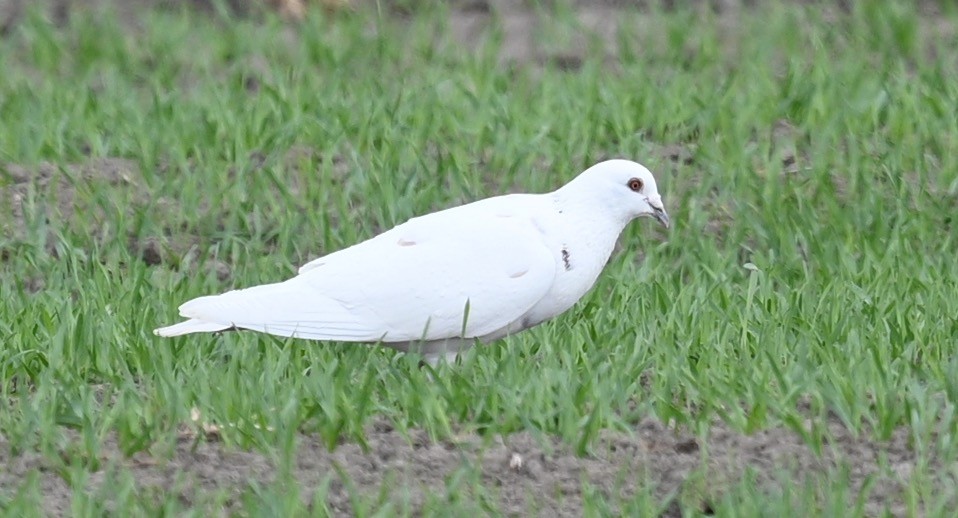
(624, 186)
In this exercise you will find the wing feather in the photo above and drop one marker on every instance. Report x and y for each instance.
(416, 281)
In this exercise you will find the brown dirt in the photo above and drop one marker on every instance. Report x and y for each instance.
(518, 470)
(46, 197)
(55, 186)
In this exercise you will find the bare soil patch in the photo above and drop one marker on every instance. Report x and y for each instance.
(44, 199)
(519, 470)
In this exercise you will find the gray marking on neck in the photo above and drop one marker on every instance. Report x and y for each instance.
(565, 259)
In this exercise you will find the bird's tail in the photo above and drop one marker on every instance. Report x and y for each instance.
(290, 309)
(190, 326)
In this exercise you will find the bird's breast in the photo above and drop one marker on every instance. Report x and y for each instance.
(581, 246)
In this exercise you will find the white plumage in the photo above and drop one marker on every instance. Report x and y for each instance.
(438, 282)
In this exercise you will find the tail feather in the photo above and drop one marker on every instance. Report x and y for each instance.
(190, 326)
(293, 308)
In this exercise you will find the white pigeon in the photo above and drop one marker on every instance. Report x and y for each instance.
(438, 283)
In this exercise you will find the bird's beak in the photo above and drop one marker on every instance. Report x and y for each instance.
(661, 216)
(658, 211)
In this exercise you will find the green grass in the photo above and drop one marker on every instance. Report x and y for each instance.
(776, 296)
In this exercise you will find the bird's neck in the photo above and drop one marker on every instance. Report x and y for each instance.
(592, 207)
(592, 231)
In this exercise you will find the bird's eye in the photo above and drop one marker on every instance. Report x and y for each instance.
(635, 184)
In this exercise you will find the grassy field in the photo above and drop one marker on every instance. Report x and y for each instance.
(808, 286)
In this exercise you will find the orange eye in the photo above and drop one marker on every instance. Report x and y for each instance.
(635, 184)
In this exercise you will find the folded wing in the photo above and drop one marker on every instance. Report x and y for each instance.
(431, 278)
